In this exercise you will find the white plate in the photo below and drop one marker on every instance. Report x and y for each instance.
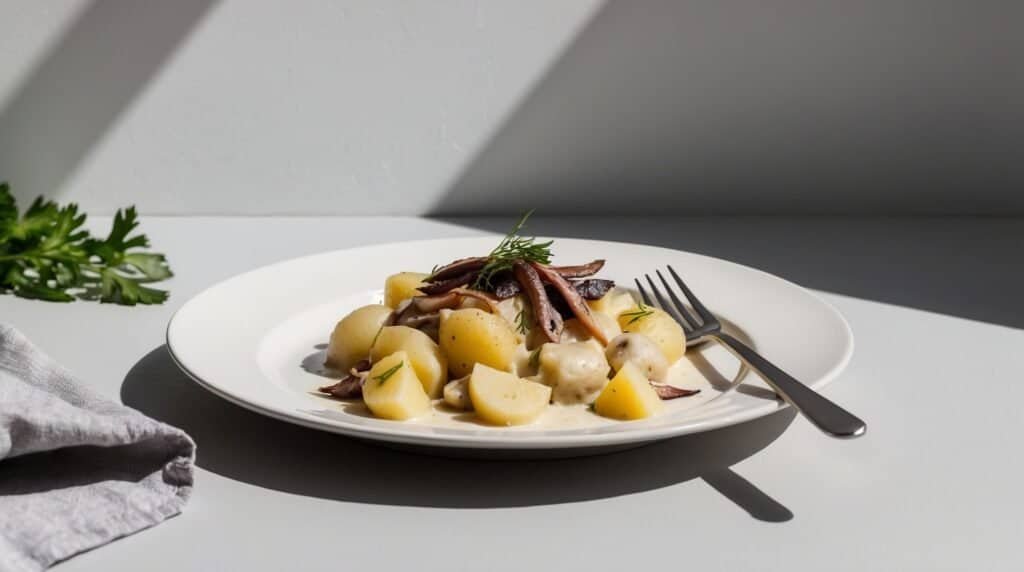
(256, 340)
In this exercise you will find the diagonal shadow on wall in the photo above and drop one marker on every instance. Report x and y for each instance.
(788, 107)
(785, 108)
(99, 66)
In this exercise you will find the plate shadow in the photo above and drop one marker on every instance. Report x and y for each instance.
(242, 445)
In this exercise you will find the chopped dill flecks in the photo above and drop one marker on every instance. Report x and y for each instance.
(641, 312)
(380, 379)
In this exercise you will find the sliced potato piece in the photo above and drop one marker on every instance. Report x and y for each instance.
(628, 395)
(657, 325)
(430, 365)
(615, 302)
(353, 335)
(393, 391)
(641, 351)
(501, 398)
(576, 371)
(402, 286)
(470, 336)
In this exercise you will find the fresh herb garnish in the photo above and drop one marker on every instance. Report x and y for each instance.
(512, 248)
(45, 254)
(380, 379)
(523, 322)
(641, 312)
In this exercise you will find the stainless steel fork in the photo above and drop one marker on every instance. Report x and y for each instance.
(826, 415)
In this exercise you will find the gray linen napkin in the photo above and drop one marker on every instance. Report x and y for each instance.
(77, 470)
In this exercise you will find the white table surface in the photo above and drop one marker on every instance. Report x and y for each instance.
(936, 484)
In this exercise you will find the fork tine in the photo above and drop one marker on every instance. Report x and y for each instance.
(643, 293)
(678, 303)
(668, 307)
(704, 313)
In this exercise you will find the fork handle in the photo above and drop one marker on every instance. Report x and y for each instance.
(827, 416)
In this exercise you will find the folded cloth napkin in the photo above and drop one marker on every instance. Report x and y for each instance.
(77, 470)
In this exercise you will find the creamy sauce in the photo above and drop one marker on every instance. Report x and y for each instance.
(684, 373)
(692, 371)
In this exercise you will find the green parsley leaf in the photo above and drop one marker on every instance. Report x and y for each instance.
(46, 254)
(8, 211)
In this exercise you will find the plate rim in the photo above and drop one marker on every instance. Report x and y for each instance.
(508, 441)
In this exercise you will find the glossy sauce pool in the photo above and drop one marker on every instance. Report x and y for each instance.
(292, 357)
(691, 372)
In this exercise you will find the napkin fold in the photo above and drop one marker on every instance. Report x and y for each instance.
(77, 469)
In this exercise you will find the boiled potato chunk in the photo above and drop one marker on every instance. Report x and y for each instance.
(501, 398)
(613, 303)
(354, 335)
(628, 395)
(402, 286)
(430, 365)
(470, 336)
(576, 371)
(641, 352)
(657, 325)
(393, 391)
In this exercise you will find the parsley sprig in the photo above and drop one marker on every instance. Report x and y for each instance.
(46, 254)
(512, 248)
(640, 313)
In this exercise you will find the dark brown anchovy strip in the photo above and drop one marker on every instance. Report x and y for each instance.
(544, 313)
(504, 284)
(351, 386)
(507, 288)
(421, 321)
(593, 288)
(457, 268)
(484, 297)
(573, 299)
(579, 270)
(666, 391)
(361, 365)
(348, 388)
(442, 286)
(431, 304)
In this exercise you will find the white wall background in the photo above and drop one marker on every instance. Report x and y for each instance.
(411, 107)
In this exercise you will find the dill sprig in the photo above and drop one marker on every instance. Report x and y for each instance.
(640, 313)
(512, 248)
(380, 379)
(523, 322)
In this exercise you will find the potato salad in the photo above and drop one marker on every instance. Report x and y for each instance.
(504, 337)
